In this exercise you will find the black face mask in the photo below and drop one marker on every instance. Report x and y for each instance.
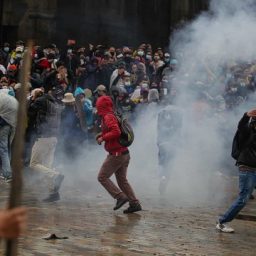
(127, 58)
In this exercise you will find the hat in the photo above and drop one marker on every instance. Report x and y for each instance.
(101, 87)
(78, 91)
(68, 98)
(12, 67)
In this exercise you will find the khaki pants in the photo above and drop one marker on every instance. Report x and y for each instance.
(42, 157)
(117, 165)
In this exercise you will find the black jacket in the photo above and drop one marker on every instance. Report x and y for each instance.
(248, 134)
(44, 126)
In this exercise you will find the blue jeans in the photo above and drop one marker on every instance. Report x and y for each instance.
(5, 133)
(247, 182)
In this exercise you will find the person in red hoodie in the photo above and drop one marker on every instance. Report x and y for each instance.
(118, 159)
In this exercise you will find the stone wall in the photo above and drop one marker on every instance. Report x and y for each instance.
(110, 21)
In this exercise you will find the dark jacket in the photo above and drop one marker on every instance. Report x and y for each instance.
(45, 126)
(110, 128)
(248, 134)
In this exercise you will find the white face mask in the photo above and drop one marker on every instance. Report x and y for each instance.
(6, 49)
(127, 83)
(18, 55)
(144, 85)
(233, 89)
(69, 51)
(140, 53)
(120, 56)
(148, 57)
(82, 61)
(156, 58)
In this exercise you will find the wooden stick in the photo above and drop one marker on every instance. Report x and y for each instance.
(81, 114)
(18, 146)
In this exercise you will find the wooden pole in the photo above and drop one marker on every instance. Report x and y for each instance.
(18, 146)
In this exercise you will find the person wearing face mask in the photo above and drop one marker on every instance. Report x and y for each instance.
(5, 53)
(19, 49)
(17, 56)
(112, 52)
(117, 77)
(156, 64)
(140, 55)
(128, 59)
(70, 60)
(129, 87)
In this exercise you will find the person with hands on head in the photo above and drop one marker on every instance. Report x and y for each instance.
(246, 162)
(117, 160)
(12, 222)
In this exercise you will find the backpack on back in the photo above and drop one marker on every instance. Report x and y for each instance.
(127, 134)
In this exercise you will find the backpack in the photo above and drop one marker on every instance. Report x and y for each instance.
(127, 134)
(238, 144)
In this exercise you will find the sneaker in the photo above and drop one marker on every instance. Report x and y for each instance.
(52, 198)
(120, 202)
(133, 208)
(224, 228)
(57, 182)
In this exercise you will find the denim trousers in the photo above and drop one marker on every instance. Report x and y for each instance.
(5, 150)
(247, 183)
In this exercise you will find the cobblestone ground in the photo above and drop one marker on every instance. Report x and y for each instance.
(85, 216)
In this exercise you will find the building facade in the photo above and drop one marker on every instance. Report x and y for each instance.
(95, 21)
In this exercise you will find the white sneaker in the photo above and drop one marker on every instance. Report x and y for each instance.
(224, 228)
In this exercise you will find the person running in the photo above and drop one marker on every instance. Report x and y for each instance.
(117, 160)
(246, 163)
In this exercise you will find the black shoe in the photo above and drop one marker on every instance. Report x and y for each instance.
(120, 202)
(251, 197)
(133, 208)
(52, 198)
(57, 182)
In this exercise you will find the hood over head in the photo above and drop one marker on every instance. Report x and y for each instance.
(104, 105)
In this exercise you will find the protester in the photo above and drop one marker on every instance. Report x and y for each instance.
(47, 128)
(246, 163)
(118, 159)
(8, 121)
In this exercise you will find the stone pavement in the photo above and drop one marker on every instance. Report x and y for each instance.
(86, 217)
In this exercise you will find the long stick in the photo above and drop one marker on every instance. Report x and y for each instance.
(81, 114)
(18, 147)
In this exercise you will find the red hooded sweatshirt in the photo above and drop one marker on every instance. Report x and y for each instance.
(109, 125)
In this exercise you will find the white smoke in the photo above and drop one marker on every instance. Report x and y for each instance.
(218, 38)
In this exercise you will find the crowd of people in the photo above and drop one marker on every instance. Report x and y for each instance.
(64, 85)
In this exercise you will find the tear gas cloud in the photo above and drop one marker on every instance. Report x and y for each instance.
(220, 37)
